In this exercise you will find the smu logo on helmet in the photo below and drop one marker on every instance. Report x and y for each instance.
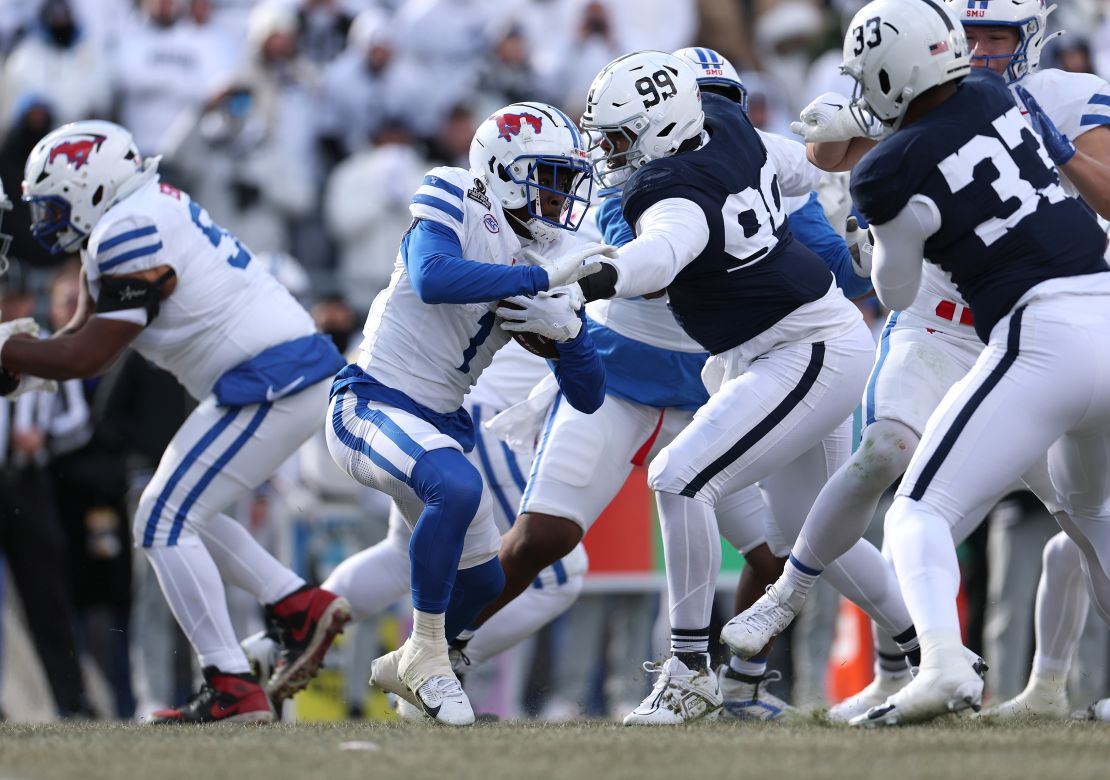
(509, 125)
(77, 152)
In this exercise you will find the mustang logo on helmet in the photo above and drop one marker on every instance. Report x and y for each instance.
(511, 124)
(77, 152)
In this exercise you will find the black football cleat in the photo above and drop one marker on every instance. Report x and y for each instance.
(223, 698)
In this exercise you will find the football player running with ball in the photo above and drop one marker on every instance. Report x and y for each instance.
(159, 276)
(396, 420)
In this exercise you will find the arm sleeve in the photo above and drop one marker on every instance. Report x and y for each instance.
(810, 226)
(797, 175)
(612, 225)
(899, 251)
(440, 274)
(669, 235)
(127, 245)
(580, 371)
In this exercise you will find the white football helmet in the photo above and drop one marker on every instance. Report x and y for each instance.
(652, 99)
(5, 238)
(897, 49)
(715, 71)
(1028, 17)
(75, 174)
(519, 143)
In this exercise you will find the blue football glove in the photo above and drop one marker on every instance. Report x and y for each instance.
(1059, 146)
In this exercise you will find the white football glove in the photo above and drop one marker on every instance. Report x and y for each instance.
(861, 246)
(571, 267)
(552, 314)
(15, 327)
(828, 118)
(27, 384)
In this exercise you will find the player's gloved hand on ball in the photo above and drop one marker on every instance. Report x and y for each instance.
(827, 118)
(860, 245)
(10, 382)
(552, 314)
(573, 265)
(1059, 146)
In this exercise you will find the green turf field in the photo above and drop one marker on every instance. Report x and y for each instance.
(953, 748)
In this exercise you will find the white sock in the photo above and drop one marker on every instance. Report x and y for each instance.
(928, 572)
(750, 667)
(692, 553)
(798, 577)
(372, 579)
(1062, 606)
(244, 562)
(195, 593)
(429, 627)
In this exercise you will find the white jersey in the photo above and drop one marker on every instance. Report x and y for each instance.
(1076, 103)
(434, 354)
(509, 378)
(225, 307)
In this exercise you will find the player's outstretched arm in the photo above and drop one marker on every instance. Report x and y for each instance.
(440, 274)
(899, 252)
(127, 303)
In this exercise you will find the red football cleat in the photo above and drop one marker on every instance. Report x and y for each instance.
(227, 698)
(304, 623)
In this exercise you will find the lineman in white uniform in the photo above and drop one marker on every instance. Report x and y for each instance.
(396, 421)
(932, 344)
(188, 297)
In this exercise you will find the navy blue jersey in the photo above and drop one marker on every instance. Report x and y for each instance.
(752, 272)
(1006, 223)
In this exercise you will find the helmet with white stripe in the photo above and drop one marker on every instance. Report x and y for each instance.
(1028, 17)
(895, 50)
(526, 151)
(75, 174)
(715, 73)
(649, 98)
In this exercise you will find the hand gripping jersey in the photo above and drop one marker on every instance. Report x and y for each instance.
(752, 273)
(225, 308)
(1076, 103)
(985, 170)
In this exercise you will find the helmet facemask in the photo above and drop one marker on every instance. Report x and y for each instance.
(612, 168)
(545, 175)
(51, 224)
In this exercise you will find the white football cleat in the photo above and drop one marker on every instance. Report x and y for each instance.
(680, 695)
(933, 692)
(878, 691)
(384, 674)
(751, 630)
(407, 711)
(425, 670)
(1036, 699)
(1100, 710)
(743, 700)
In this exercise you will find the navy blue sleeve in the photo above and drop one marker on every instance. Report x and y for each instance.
(579, 371)
(654, 183)
(440, 274)
(810, 226)
(615, 230)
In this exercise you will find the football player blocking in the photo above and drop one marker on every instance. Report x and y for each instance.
(157, 275)
(396, 420)
(929, 346)
(1023, 289)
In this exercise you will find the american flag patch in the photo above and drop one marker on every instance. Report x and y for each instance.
(938, 48)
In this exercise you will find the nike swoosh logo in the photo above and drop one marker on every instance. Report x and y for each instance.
(220, 711)
(272, 395)
(837, 106)
(431, 711)
(878, 712)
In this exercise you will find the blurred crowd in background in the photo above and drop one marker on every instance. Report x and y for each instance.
(304, 127)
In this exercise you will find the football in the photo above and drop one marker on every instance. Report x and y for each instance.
(533, 342)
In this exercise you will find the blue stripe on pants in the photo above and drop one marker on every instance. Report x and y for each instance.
(190, 458)
(873, 380)
(220, 464)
